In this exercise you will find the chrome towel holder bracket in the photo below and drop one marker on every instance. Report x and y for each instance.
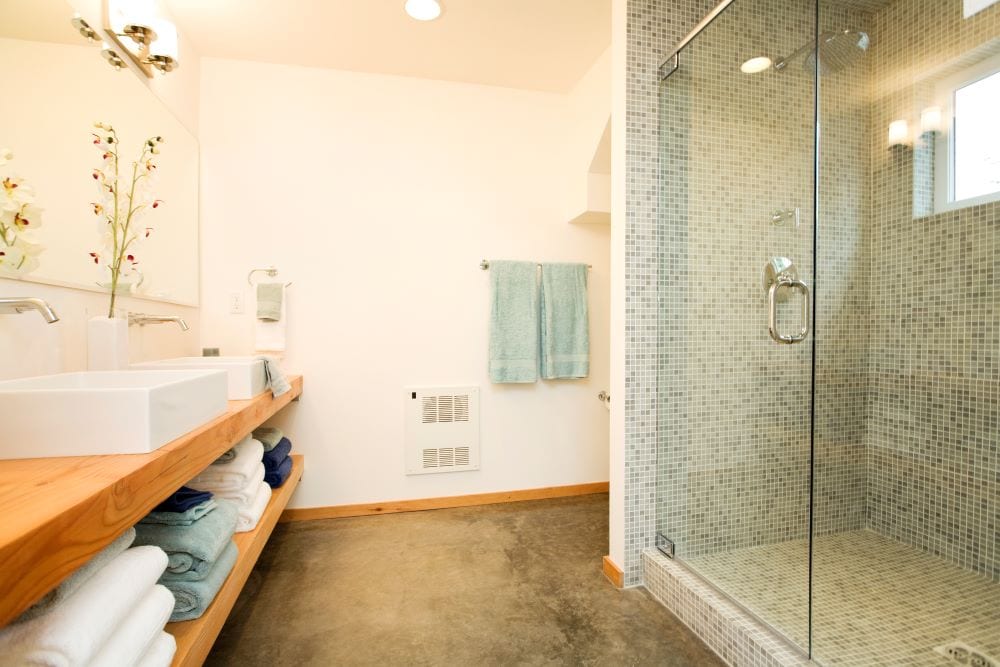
(270, 271)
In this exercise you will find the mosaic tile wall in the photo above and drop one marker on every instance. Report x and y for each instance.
(735, 406)
(652, 29)
(934, 417)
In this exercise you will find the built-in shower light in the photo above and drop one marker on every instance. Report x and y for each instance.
(930, 119)
(755, 65)
(423, 10)
(899, 133)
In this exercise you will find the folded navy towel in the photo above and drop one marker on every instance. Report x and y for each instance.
(183, 499)
(277, 476)
(275, 457)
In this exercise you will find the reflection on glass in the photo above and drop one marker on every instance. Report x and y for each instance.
(977, 138)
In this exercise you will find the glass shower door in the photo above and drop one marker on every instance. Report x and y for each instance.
(737, 163)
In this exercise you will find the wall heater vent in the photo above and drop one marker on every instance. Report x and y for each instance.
(441, 432)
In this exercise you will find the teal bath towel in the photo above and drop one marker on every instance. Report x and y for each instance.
(192, 551)
(514, 322)
(565, 334)
(193, 597)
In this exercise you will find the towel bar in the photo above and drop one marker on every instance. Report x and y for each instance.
(485, 265)
(270, 271)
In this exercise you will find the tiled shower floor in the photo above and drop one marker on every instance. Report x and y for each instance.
(876, 601)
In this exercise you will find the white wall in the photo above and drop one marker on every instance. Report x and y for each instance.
(378, 196)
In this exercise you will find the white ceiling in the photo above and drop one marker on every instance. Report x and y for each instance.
(534, 44)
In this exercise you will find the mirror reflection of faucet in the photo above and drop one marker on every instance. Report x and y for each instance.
(20, 304)
(142, 319)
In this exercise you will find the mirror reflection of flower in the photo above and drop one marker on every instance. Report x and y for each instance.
(19, 217)
(124, 200)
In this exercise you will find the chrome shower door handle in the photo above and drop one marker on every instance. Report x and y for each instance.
(772, 310)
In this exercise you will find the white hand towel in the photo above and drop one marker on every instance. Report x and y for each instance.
(75, 630)
(250, 513)
(270, 334)
(160, 653)
(234, 474)
(137, 633)
(242, 496)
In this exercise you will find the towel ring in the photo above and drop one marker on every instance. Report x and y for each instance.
(270, 271)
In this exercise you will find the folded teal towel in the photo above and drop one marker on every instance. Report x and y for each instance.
(514, 322)
(269, 296)
(185, 518)
(192, 550)
(565, 335)
(268, 436)
(193, 597)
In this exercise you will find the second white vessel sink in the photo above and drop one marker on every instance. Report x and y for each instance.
(246, 374)
(105, 412)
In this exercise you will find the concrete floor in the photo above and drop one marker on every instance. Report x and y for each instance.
(514, 584)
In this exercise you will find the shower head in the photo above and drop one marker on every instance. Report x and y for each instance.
(837, 50)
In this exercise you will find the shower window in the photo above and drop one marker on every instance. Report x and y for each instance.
(969, 149)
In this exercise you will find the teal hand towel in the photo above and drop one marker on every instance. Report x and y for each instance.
(513, 322)
(193, 597)
(565, 332)
(185, 518)
(269, 296)
(192, 550)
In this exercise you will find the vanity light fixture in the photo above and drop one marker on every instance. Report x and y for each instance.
(111, 56)
(84, 29)
(148, 40)
(899, 133)
(930, 119)
(756, 65)
(423, 10)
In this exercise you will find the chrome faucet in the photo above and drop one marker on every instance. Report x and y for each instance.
(142, 319)
(21, 304)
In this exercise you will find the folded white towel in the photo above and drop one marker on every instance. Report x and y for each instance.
(139, 630)
(250, 513)
(234, 474)
(160, 653)
(72, 632)
(77, 579)
(242, 496)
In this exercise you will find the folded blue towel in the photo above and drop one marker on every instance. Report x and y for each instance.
(185, 518)
(277, 476)
(192, 550)
(513, 322)
(182, 500)
(565, 335)
(274, 457)
(193, 597)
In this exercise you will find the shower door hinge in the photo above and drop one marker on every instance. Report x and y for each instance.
(665, 545)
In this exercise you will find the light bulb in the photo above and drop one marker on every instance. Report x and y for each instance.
(423, 10)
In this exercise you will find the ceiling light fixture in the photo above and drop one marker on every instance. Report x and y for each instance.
(756, 65)
(423, 10)
(152, 40)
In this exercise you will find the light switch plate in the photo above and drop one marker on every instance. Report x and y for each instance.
(235, 303)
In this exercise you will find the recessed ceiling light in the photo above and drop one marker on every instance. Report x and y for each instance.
(755, 65)
(423, 10)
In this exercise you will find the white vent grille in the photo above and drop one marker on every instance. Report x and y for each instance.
(442, 429)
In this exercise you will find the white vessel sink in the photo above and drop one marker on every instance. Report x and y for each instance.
(105, 412)
(246, 374)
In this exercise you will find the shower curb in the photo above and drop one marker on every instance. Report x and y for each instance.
(736, 636)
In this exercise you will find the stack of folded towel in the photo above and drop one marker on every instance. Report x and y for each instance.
(110, 612)
(199, 546)
(277, 462)
(240, 479)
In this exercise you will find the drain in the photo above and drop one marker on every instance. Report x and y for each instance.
(964, 654)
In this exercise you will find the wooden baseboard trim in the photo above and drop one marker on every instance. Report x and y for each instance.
(369, 509)
(611, 571)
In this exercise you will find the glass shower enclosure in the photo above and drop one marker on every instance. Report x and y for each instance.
(829, 335)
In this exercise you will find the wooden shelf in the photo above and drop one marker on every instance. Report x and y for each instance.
(62, 511)
(195, 638)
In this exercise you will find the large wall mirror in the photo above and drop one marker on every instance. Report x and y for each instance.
(55, 86)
